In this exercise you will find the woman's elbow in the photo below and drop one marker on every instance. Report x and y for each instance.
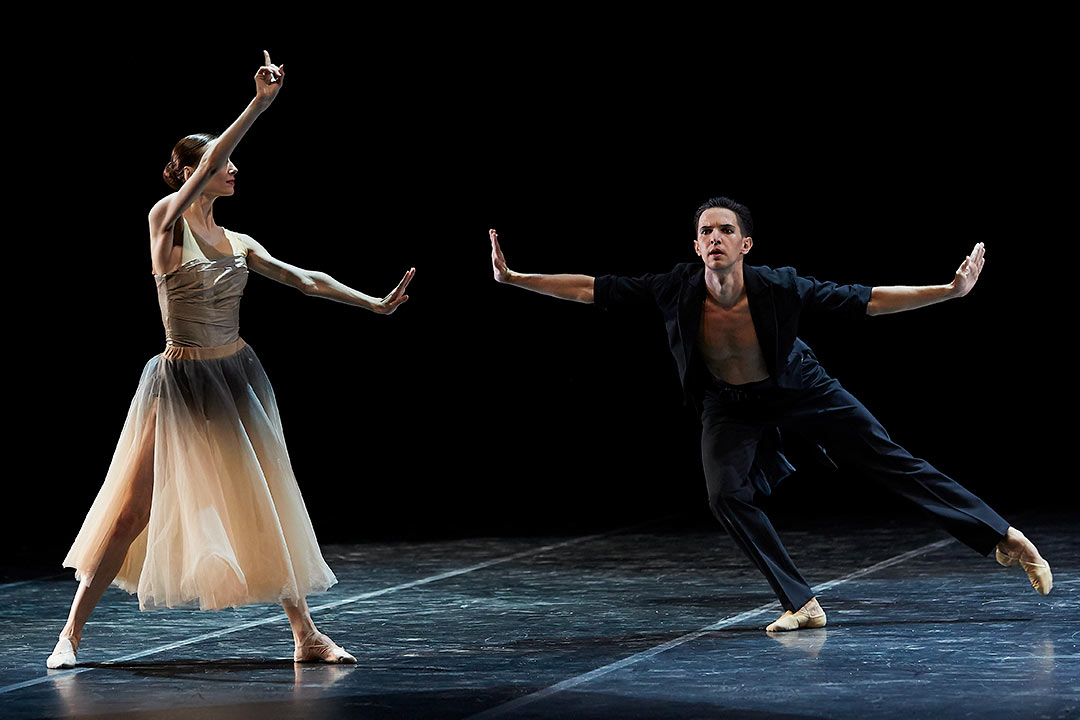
(311, 283)
(214, 160)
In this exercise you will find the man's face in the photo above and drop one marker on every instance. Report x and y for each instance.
(720, 242)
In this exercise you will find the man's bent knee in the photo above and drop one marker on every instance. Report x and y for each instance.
(720, 501)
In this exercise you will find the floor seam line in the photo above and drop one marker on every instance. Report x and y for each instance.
(278, 617)
(570, 683)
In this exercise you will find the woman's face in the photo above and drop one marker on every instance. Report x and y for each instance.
(222, 183)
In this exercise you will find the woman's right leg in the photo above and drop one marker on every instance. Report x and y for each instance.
(312, 645)
(129, 523)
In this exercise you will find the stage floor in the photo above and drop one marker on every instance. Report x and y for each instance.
(662, 620)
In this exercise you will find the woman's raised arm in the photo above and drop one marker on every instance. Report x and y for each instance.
(167, 211)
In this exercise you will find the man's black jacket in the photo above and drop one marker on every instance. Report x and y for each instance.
(777, 300)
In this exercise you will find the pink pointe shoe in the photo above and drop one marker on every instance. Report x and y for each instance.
(63, 655)
(1038, 573)
(317, 647)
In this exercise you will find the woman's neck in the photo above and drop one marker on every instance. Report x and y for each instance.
(201, 212)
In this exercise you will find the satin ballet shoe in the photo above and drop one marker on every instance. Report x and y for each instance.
(798, 620)
(317, 647)
(63, 655)
(1038, 573)
(1004, 558)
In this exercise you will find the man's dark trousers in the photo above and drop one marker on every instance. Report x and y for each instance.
(733, 420)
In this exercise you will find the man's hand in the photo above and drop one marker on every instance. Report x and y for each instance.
(578, 288)
(498, 262)
(898, 298)
(968, 272)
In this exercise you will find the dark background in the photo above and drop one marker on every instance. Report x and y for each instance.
(479, 408)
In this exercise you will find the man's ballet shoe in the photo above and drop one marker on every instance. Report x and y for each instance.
(1038, 573)
(317, 647)
(63, 655)
(1004, 558)
(798, 620)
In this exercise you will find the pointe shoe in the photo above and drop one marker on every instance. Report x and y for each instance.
(1038, 573)
(798, 620)
(63, 655)
(317, 647)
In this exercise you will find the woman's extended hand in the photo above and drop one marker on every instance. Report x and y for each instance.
(391, 302)
(268, 80)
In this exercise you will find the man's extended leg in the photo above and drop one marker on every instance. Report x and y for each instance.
(833, 416)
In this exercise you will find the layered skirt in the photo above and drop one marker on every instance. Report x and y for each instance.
(228, 526)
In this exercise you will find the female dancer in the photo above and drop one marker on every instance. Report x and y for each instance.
(200, 503)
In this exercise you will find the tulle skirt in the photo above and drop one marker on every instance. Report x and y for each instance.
(228, 525)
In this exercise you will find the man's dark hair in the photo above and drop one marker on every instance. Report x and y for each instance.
(746, 223)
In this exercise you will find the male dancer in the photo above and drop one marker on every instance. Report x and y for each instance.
(732, 328)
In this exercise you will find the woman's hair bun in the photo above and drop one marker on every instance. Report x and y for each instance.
(186, 153)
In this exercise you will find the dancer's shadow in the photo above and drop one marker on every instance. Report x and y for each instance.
(213, 680)
(217, 670)
(808, 642)
(185, 666)
(840, 623)
(273, 671)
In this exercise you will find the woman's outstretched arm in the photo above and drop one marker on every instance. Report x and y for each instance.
(319, 284)
(167, 211)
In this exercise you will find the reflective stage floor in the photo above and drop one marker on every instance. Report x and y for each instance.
(663, 620)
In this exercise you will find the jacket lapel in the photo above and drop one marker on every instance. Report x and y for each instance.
(691, 296)
(763, 313)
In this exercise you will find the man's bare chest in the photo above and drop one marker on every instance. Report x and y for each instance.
(725, 332)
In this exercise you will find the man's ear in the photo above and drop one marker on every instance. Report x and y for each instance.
(747, 243)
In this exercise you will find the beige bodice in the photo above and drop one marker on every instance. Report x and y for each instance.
(200, 300)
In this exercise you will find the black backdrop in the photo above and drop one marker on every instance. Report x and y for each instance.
(479, 408)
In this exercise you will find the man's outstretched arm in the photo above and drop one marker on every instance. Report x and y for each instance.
(578, 288)
(897, 298)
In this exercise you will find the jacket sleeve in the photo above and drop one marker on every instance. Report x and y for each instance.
(616, 291)
(850, 300)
